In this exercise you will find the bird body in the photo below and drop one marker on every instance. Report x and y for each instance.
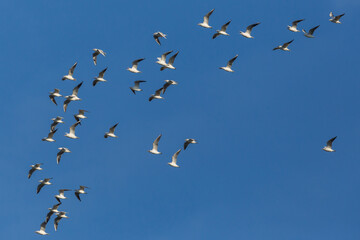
(249, 28)
(71, 134)
(134, 67)
(44, 182)
(170, 64)
(79, 191)
(229, 65)
(328, 147)
(293, 27)
(222, 31)
(60, 153)
(42, 229)
(100, 77)
(284, 47)
(311, 32)
(54, 94)
(111, 132)
(50, 136)
(136, 87)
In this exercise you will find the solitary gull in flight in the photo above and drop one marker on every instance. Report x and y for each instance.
(52, 210)
(328, 147)
(71, 134)
(79, 191)
(134, 66)
(284, 47)
(80, 115)
(34, 167)
(111, 132)
(44, 182)
(293, 27)
(61, 194)
(154, 150)
(171, 62)
(50, 136)
(99, 78)
(158, 35)
(311, 32)
(205, 23)
(55, 93)
(162, 60)
(72, 97)
(60, 153)
(222, 31)
(167, 84)
(247, 33)
(156, 95)
(42, 229)
(174, 159)
(56, 121)
(229, 64)
(188, 141)
(60, 215)
(137, 88)
(69, 76)
(96, 53)
(335, 19)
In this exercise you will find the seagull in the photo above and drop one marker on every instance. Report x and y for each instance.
(134, 66)
(50, 136)
(156, 95)
(174, 159)
(71, 134)
(229, 65)
(284, 47)
(53, 210)
(162, 59)
(328, 147)
(311, 32)
(188, 141)
(60, 215)
(96, 53)
(293, 27)
(61, 194)
(222, 31)
(34, 168)
(205, 23)
(80, 115)
(72, 97)
(167, 84)
(60, 153)
(154, 150)
(80, 191)
(158, 35)
(247, 34)
(100, 78)
(44, 182)
(55, 93)
(70, 74)
(335, 19)
(42, 229)
(171, 62)
(56, 121)
(111, 132)
(136, 88)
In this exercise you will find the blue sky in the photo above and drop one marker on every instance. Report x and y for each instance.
(258, 171)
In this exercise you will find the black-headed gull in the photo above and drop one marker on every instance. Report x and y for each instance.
(136, 87)
(56, 121)
(61, 194)
(154, 150)
(167, 84)
(294, 24)
(59, 215)
(96, 53)
(79, 191)
(229, 64)
(158, 35)
(222, 31)
(188, 141)
(42, 229)
(134, 67)
(247, 33)
(52, 210)
(71, 133)
(171, 62)
(50, 136)
(174, 159)
(54, 94)
(156, 95)
(335, 19)
(284, 47)
(44, 182)
(205, 23)
(111, 132)
(34, 167)
(69, 76)
(328, 147)
(162, 60)
(100, 77)
(80, 115)
(73, 97)
(311, 32)
(60, 153)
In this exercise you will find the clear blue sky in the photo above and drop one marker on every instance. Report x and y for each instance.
(258, 171)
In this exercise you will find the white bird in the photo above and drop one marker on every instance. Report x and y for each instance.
(284, 47)
(174, 159)
(52, 210)
(50, 136)
(222, 31)
(205, 23)
(60, 215)
(79, 191)
(335, 19)
(171, 62)
(61, 194)
(247, 33)
(134, 67)
(96, 53)
(111, 132)
(44, 182)
(188, 141)
(229, 64)
(60, 153)
(156, 95)
(100, 77)
(34, 167)
(72, 97)
(154, 150)
(293, 27)
(158, 35)
(56, 121)
(328, 147)
(55, 93)
(71, 134)
(42, 229)
(69, 76)
(162, 60)
(167, 84)
(80, 115)
(137, 88)
(311, 32)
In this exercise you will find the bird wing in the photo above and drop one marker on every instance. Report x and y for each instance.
(230, 63)
(135, 63)
(56, 222)
(285, 45)
(39, 187)
(295, 23)
(186, 144)
(157, 40)
(329, 143)
(31, 171)
(156, 142)
(51, 134)
(165, 86)
(71, 70)
(338, 17)
(172, 59)
(158, 92)
(76, 89)
(72, 128)
(43, 226)
(65, 105)
(206, 17)
(48, 216)
(174, 157)
(137, 83)
(224, 27)
(311, 31)
(215, 35)
(101, 74)
(250, 27)
(78, 196)
(94, 56)
(102, 52)
(52, 98)
(112, 129)
(163, 57)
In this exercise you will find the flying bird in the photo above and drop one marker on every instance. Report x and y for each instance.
(171, 62)
(229, 64)
(60, 153)
(60, 215)
(205, 23)
(328, 147)
(69, 76)
(52, 210)
(42, 229)
(134, 67)
(71, 134)
(162, 60)
(54, 94)
(174, 159)
(44, 182)
(50, 136)
(72, 97)
(158, 35)
(80, 115)
(311, 32)
(249, 28)
(96, 53)
(222, 31)
(79, 191)
(56, 121)
(61, 194)
(156, 95)
(188, 141)
(34, 167)
(154, 150)
(137, 88)
(167, 84)
(111, 132)
(335, 19)
(284, 47)
(293, 27)
(100, 77)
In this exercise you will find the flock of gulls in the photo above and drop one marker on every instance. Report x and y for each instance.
(136, 88)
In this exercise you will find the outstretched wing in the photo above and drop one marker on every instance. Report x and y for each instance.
(172, 59)
(231, 61)
(311, 31)
(71, 70)
(224, 27)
